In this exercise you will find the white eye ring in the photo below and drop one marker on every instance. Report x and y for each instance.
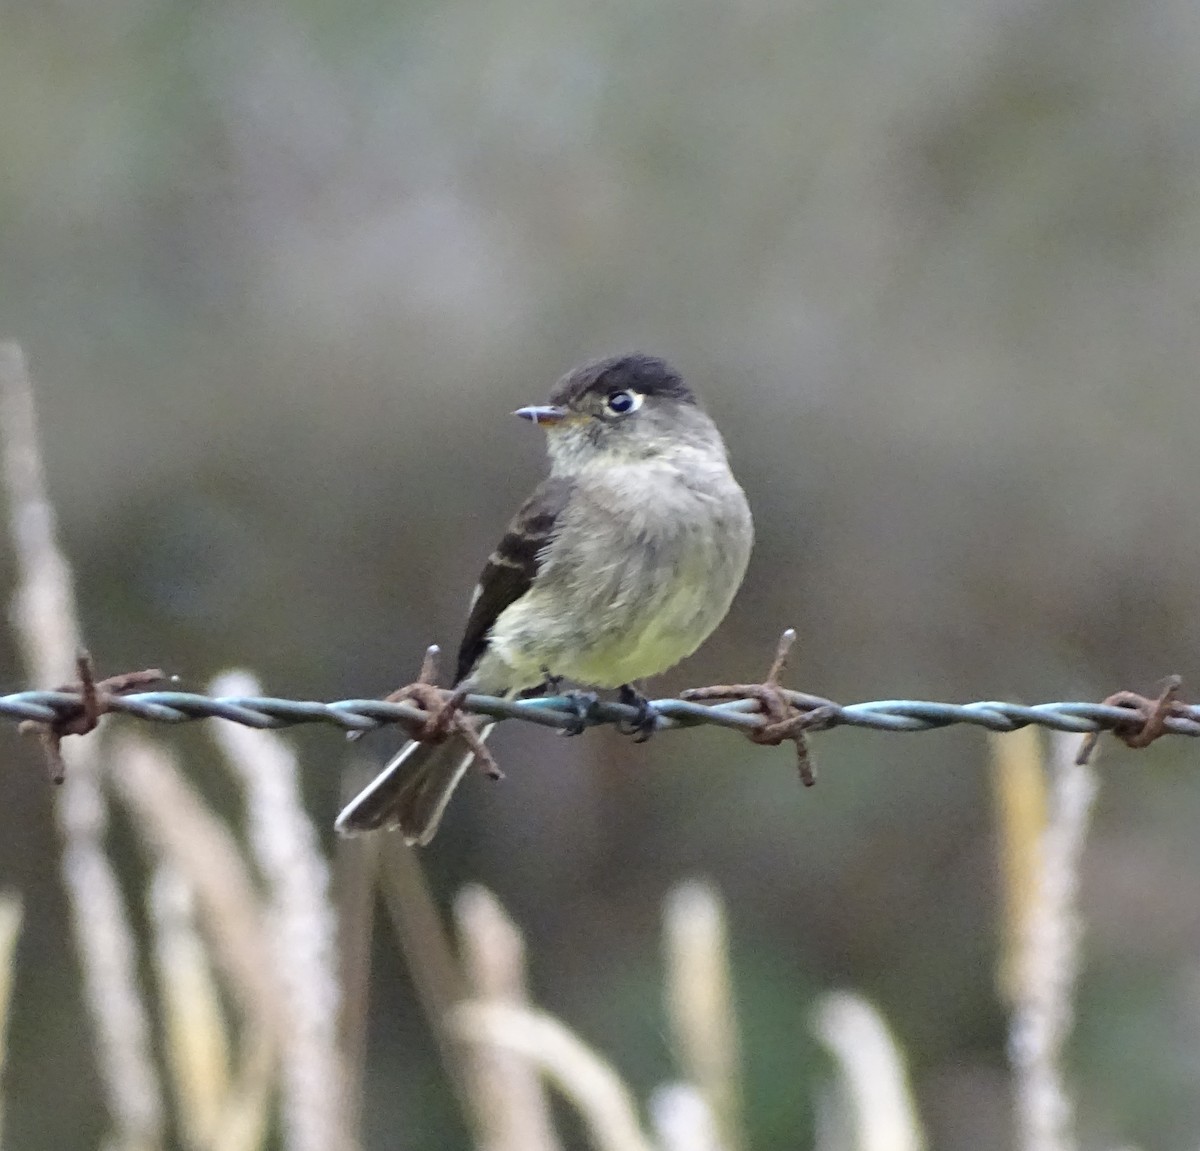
(624, 402)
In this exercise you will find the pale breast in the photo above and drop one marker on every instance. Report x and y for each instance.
(646, 565)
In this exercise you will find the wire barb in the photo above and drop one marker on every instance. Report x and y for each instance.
(1147, 723)
(785, 719)
(442, 713)
(94, 700)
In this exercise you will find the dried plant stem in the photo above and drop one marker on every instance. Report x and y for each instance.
(875, 1088)
(356, 879)
(510, 1102)
(197, 1036)
(1048, 963)
(604, 1102)
(431, 961)
(700, 1003)
(220, 1107)
(10, 931)
(46, 622)
(185, 834)
(683, 1120)
(246, 1115)
(1019, 790)
(43, 607)
(304, 927)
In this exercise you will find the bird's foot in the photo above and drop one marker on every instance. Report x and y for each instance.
(551, 685)
(787, 715)
(580, 704)
(645, 723)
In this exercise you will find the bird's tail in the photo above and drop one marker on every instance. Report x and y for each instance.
(412, 791)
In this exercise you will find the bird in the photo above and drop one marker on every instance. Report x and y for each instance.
(621, 563)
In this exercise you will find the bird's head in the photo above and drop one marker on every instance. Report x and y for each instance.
(621, 408)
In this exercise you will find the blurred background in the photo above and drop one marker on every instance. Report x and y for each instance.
(283, 271)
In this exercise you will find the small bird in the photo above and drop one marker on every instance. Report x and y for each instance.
(621, 563)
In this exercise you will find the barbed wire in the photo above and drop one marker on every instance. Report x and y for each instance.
(59, 708)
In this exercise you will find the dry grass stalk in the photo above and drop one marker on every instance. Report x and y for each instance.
(683, 1120)
(244, 1122)
(604, 1102)
(356, 878)
(184, 833)
(875, 1091)
(510, 1102)
(1048, 962)
(197, 1036)
(43, 607)
(46, 622)
(288, 852)
(10, 932)
(220, 1108)
(700, 1003)
(1019, 790)
(431, 961)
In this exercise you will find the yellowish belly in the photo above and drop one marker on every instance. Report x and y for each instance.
(631, 585)
(659, 613)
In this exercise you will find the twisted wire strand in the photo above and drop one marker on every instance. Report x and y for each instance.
(559, 711)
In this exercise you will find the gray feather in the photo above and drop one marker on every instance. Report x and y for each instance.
(512, 567)
(411, 792)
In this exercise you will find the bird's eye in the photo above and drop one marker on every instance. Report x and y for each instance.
(624, 402)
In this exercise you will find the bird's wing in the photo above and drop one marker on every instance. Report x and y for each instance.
(512, 567)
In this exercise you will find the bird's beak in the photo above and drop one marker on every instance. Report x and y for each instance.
(548, 414)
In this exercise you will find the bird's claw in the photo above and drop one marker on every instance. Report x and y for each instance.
(551, 685)
(645, 723)
(579, 704)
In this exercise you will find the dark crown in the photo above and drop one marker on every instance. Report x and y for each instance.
(635, 372)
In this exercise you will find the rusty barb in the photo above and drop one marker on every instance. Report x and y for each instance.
(1147, 720)
(785, 719)
(95, 699)
(765, 712)
(443, 714)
